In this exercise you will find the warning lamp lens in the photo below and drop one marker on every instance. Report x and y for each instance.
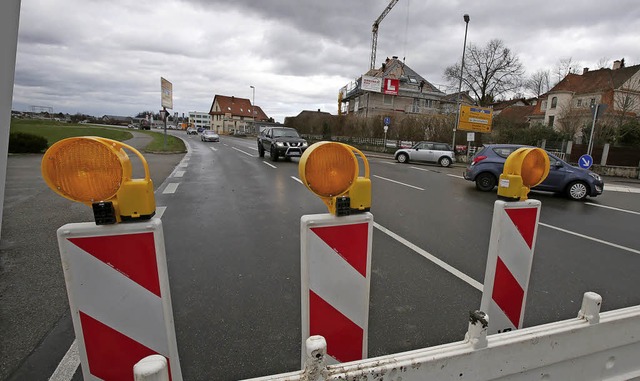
(534, 168)
(83, 170)
(330, 170)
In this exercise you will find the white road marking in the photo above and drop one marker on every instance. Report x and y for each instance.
(213, 148)
(183, 164)
(621, 188)
(253, 148)
(398, 182)
(297, 179)
(269, 164)
(178, 173)
(69, 364)
(171, 188)
(244, 152)
(422, 169)
(456, 176)
(591, 238)
(445, 266)
(160, 211)
(612, 208)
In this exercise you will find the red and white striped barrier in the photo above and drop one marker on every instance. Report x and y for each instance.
(118, 289)
(513, 236)
(336, 274)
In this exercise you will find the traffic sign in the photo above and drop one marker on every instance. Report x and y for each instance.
(585, 161)
(473, 118)
(387, 120)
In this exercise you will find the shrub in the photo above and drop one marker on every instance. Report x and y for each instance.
(21, 142)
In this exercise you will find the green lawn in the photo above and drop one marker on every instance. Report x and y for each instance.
(54, 131)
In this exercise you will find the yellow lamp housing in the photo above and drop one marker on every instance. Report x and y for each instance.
(330, 170)
(524, 169)
(97, 171)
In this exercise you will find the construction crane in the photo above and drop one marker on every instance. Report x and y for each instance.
(374, 32)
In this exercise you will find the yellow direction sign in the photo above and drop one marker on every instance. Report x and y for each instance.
(473, 118)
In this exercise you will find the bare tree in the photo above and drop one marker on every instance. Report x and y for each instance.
(603, 63)
(564, 67)
(489, 72)
(538, 83)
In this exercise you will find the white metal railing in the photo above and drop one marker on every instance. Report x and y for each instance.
(593, 346)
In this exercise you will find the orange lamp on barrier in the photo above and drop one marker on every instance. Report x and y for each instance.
(97, 171)
(331, 171)
(524, 168)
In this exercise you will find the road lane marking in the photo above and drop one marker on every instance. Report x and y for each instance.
(398, 182)
(456, 176)
(253, 148)
(171, 188)
(69, 364)
(183, 165)
(621, 188)
(591, 238)
(612, 208)
(423, 169)
(269, 164)
(445, 266)
(297, 179)
(178, 173)
(213, 148)
(239, 150)
(160, 211)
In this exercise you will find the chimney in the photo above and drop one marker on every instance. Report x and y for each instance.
(616, 64)
(395, 57)
(318, 110)
(585, 70)
(233, 99)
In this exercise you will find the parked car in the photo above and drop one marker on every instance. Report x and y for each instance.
(577, 183)
(209, 136)
(429, 152)
(281, 141)
(192, 131)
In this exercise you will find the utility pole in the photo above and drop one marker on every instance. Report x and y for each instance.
(464, 48)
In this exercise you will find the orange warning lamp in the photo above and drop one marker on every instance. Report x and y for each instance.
(524, 168)
(330, 170)
(97, 171)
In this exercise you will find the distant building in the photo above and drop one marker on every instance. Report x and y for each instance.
(567, 106)
(233, 115)
(200, 119)
(393, 89)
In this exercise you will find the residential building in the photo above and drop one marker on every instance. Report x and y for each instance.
(392, 89)
(234, 115)
(199, 119)
(567, 106)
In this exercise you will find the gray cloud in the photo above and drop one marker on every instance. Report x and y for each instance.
(107, 57)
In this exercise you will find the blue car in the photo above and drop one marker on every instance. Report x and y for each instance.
(577, 183)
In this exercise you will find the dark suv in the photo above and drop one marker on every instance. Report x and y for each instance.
(281, 141)
(577, 183)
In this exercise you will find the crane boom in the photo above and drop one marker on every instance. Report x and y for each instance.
(374, 32)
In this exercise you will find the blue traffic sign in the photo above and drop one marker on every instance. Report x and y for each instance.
(585, 161)
(387, 120)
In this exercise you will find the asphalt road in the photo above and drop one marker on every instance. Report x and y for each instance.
(232, 234)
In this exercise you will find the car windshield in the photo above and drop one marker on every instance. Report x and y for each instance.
(287, 133)
(209, 132)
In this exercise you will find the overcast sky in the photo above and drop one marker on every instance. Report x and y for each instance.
(106, 57)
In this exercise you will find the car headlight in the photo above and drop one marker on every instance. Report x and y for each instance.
(304, 144)
(595, 176)
(280, 144)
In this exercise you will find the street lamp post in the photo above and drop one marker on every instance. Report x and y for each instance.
(253, 101)
(464, 48)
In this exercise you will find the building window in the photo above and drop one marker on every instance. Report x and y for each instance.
(416, 105)
(579, 103)
(551, 119)
(387, 99)
(554, 102)
(543, 105)
(593, 101)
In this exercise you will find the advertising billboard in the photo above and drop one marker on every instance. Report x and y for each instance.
(391, 86)
(473, 118)
(167, 93)
(371, 84)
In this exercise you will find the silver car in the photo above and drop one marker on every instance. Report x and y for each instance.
(209, 136)
(429, 152)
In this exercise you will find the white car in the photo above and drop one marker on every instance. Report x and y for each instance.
(430, 152)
